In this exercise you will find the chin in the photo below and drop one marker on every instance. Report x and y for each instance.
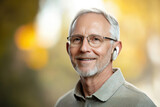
(86, 73)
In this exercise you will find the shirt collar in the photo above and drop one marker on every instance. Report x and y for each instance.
(110, 86)
(107, 89)
(78, 91)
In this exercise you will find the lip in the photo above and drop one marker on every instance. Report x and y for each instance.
(86, 59)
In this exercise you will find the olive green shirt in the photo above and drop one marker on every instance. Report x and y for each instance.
(115, 92)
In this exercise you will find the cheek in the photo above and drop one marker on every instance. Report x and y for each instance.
(103, 52)
(73, 52)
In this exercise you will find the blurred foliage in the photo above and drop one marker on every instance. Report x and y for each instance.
(138, 21)
(18, 84)
(12, 15)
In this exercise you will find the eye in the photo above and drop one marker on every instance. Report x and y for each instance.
(75, 39)
(95, 39)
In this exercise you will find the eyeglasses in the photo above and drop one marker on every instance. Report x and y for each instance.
(93, 40)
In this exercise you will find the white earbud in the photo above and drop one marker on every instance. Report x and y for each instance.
(115, 53)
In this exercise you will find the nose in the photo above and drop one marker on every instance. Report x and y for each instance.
(85, 47)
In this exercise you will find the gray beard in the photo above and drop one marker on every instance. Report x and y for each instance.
(91, 72)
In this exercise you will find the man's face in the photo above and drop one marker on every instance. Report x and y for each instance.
(88, 60)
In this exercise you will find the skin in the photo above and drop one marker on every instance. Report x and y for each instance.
(100, 57)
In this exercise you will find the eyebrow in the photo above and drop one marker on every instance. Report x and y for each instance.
(76, 35)
(94, 35)
(88, 35)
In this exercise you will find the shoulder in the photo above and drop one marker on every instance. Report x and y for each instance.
(65, 99)
(136, 96)
(134, 91)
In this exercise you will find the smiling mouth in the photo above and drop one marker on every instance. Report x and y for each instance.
(86, 59)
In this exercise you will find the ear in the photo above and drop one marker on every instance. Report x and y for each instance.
(67, 47)
(116, 50)
(119, 45)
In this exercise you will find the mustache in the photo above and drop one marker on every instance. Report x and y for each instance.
(86, 56)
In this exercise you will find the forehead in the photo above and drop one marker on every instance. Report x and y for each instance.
(96, 16)
(91, 21)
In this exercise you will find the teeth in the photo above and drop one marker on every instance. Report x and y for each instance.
(86, 59)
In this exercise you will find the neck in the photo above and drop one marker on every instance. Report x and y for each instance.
(92, 84)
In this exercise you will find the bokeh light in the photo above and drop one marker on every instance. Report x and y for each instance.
(25, 37)
(48, 23)
(36, 58)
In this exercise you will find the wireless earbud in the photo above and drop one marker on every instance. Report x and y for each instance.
(115, 53)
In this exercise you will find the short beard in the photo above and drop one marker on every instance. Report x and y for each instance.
(91, 72)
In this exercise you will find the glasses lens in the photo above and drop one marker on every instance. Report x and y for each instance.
(75, 40)
(95, 40)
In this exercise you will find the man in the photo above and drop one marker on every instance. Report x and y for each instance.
(93, 45)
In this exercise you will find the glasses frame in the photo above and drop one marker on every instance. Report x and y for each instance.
(68, 38)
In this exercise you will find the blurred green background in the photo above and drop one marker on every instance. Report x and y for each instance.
(35, 68)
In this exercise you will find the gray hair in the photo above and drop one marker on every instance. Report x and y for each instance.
(114, 30)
